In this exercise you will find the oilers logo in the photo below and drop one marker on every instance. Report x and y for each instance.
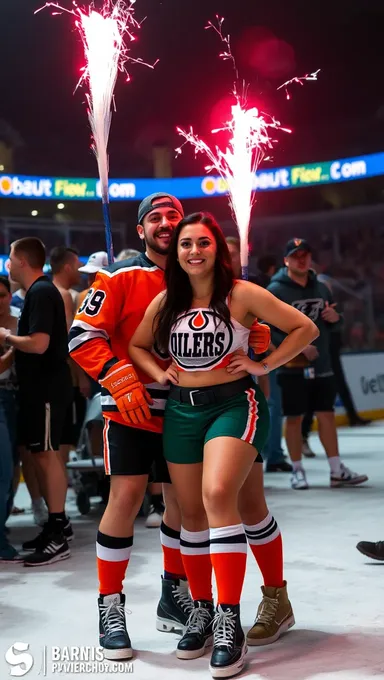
(200, 340)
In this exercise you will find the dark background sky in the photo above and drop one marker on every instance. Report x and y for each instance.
(341, 114)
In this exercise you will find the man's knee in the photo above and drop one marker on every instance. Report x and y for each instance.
(127, 494)
(294, 421)
(327, 417)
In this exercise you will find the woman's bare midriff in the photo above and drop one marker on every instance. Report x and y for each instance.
(198, 379)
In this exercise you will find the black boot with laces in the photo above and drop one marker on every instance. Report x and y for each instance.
(114, 637)
(198, 632)
(229, 645)
(174, 607)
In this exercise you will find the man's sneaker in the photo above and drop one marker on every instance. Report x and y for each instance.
(39, 541)
(113, 633)
(347, 478)
(299, 480)
(9, 554)
(54, 549)
(198, 631)
(155, 517)
(373, 550)
(274, 616)
(283, 466)
(229, 644)
(40, 512)
(306, 450)
(175, 606)
(359, 422)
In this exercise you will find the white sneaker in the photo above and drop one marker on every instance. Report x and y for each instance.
(299, 480)
(154, 518)
(40, 512)
(347, 478)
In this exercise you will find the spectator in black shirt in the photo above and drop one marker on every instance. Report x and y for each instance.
(44, 390)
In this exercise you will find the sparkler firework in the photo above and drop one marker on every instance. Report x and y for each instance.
(249, 143)
(106, 53)
(299, 81)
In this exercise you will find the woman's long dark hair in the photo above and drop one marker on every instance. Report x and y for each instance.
(179, 290)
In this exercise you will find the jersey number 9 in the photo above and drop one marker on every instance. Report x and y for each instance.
(93, 302)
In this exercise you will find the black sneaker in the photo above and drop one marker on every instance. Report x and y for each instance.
(113, 633)
(229, 645)
(54, 549)
(198, 631)
(283, 466)
(39, 540)
(373, 550)
(175, 606)
(359, 422)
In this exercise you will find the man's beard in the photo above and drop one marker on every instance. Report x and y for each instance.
(151, 243)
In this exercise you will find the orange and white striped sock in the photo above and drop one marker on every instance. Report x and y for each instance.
(266, 544)
(112, 561)
(194, 547)
(173, 561)
(229, 559)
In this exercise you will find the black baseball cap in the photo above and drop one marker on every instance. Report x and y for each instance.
(154, 201)
(295, 244)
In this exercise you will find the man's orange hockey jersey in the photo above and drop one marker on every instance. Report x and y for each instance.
(105, 323)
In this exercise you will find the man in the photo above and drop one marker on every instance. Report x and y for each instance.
(342, 388)
(65, 267)
(126, 254)
(308, 381)
(96, 261)
(44, 389)
(273, 452)
(99, 340)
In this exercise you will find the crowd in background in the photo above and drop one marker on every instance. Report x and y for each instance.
(73, 282)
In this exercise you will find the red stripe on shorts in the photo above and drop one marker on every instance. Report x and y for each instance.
(250, 429)
(107, 460)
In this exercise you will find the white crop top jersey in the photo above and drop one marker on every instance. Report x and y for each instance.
(199, 341)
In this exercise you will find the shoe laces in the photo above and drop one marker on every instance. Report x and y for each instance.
(267, 611)
(113, 616)
(198, 620)
(224, 627)
(183, 598)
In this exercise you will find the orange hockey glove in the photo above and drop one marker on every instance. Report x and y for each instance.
(259, 337)
(129, 393)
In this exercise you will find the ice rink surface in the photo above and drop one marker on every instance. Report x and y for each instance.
(337, 594)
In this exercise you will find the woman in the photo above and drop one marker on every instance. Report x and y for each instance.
(216, 418)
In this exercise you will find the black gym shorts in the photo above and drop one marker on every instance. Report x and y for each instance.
(74, 419)
(40, 423)
(300, 395)
(130, 451)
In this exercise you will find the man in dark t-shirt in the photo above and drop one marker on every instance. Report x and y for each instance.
(44, 390)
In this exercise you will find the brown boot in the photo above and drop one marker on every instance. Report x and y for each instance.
(274, 616)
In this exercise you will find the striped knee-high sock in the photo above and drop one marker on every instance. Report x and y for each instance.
(194, 547)
(229, 558)
(173, 562)
(112, 560)
(267, 546)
